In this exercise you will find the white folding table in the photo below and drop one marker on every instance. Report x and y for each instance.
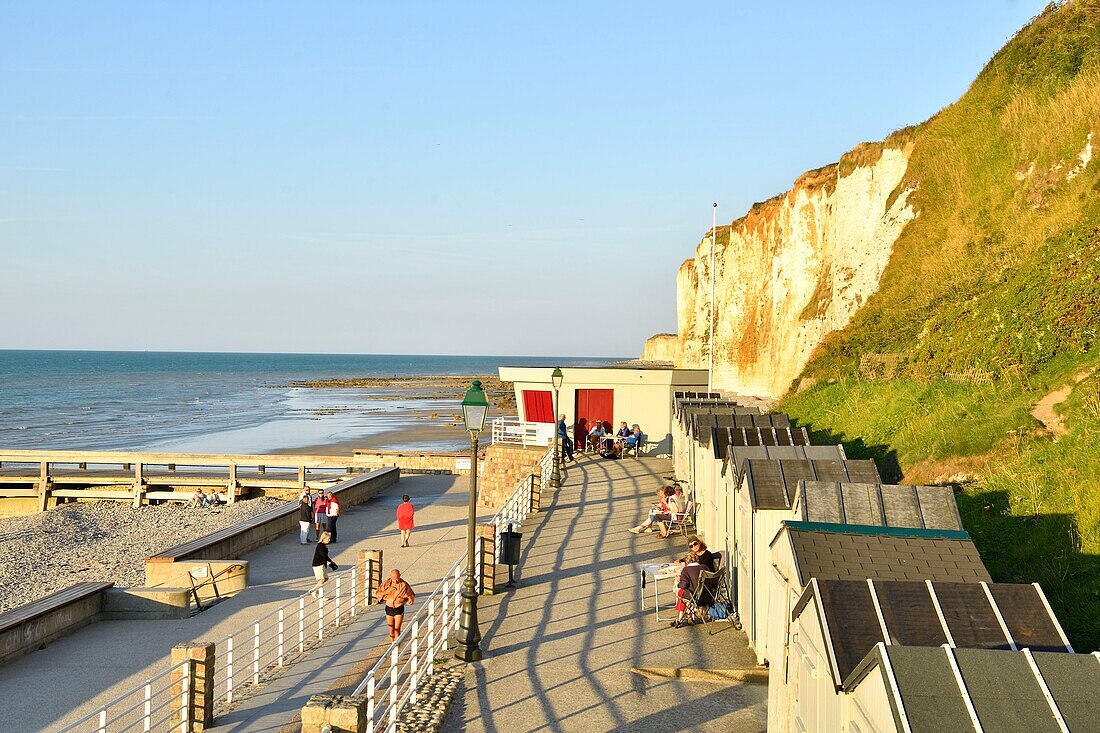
(655, 573)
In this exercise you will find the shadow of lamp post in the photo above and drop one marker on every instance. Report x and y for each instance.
(556, 378)
(468, 637)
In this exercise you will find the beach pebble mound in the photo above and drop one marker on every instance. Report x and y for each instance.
(102, 541)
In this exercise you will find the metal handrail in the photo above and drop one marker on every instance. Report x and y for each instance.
(393, 680)
(269, 639)
(103, 715)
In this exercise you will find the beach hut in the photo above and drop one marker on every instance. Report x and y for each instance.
(837, 623)
(629, 392)
(903, 689)
(803, 551)
(764, 495)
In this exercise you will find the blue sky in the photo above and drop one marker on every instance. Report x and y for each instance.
(501, 178)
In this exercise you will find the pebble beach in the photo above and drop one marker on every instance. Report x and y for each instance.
(100, 541)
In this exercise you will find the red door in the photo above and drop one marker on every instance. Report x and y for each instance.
(593, 405)
(538, 406)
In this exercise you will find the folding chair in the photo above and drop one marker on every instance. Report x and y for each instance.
(683, 522)
(713, 588)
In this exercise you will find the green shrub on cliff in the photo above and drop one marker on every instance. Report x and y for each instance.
(991, 300)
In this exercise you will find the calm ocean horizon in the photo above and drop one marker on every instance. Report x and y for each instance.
(213, 402)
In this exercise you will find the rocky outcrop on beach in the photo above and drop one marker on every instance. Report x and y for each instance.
(500, 394)
(100, 541)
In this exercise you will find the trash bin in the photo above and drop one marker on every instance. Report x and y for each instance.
(509, 546)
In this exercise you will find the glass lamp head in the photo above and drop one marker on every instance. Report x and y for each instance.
(475, 407)
(557, 378)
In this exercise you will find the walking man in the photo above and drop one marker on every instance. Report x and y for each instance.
(405, 522)
(395, 593)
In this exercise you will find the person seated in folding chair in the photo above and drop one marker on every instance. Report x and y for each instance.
(706, 558)
(660, 513)
(595, 435)
(633, 441)
(685, 590)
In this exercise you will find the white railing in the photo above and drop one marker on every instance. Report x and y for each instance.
(259, 649)
(513, 431)
(391, 683)
(265, 645)
(153, 706)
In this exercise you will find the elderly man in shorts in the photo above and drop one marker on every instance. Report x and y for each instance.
(395, 592)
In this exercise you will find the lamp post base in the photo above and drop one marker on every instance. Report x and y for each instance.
(468, 637)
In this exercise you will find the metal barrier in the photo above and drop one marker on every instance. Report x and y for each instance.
(267, 644)
(391, 683)
(513, 431)
(257, 650)
(154, 706)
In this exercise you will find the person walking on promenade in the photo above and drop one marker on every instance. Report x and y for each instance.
(305, 518)
(395, 592)
(320, 518)
(566, 442)
(405, 522)
(321, 563)
(332, 513)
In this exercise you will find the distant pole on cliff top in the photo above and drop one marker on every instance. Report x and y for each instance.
(710, 344)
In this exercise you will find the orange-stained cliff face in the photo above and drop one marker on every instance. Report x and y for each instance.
(792, 270)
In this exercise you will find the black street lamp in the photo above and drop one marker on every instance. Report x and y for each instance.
(468, 637)
(556, 378)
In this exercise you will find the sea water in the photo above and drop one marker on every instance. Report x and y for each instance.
(214, 402)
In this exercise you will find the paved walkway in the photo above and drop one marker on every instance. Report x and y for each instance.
(76, 674)
(560, 649)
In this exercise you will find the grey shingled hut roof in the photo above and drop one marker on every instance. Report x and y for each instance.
(725, 437)
(772, 483)
(889, 505)
(855, 615)
(854, 552)
(931, 690)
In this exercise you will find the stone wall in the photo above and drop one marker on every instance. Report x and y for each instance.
(502, 467)
(415, 462)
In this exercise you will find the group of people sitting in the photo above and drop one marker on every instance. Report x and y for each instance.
(596, 439)
(320, 510)
(671, 506)
(201, 499)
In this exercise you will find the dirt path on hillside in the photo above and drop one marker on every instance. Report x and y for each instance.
(1043, 411)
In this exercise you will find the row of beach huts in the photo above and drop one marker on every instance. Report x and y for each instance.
(868, 601)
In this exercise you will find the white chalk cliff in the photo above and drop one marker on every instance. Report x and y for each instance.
(791, 271)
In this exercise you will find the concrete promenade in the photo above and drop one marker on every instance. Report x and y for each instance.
(561, 649)
(76, 674)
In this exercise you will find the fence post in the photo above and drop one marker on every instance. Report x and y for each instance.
(280, 637)
(194, 683)
(487, 559)
(256, 653)
(354, 589)
(301, 624)
(536, 493)
(320, 613)
(229, 669)
(370, 565)
(338, 579)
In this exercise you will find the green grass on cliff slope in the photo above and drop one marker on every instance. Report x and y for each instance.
(992, 299)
